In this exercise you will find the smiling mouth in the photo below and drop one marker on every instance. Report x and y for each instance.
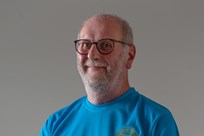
(95, 68)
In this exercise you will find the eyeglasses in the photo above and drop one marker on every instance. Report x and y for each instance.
(104, 46)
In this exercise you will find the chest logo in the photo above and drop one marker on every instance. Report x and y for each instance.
(126, 132)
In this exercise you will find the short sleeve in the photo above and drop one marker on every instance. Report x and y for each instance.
(164, 125)
(45, 131)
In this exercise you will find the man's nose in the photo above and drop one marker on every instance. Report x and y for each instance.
(93, 52)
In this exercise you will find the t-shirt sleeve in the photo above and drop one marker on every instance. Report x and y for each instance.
(164, 125)
(45, 131)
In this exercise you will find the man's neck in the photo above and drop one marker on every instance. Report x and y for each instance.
(106, 95)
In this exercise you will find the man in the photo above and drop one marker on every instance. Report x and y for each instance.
(105, 53)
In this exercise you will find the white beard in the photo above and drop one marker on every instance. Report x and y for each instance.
(103, 82)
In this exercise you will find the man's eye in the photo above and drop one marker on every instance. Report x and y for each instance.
(106, 46)
(86, 45)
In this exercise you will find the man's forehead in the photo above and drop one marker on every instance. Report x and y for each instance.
(95, 26)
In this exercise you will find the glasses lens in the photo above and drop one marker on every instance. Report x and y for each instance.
(105, 46)
(83, 46)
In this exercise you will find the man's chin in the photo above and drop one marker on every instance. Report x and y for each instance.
(97, 86)
(96, 75)
(95, 79)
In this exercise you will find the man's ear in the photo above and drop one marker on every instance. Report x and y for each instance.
(131, 56)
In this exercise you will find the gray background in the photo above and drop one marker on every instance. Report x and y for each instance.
(37, 58)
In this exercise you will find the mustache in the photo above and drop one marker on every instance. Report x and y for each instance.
(96, 63)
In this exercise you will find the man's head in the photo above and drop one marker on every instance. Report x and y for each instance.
(105, 53)
(126, 30)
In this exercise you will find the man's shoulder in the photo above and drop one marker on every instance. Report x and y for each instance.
(158, 116)
(68, 109)
(55, 119)
(150, 106)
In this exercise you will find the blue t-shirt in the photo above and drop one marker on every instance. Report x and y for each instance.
(131, 114)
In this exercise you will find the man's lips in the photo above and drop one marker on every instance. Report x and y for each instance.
(95, 67)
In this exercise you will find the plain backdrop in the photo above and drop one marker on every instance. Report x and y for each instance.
(38, 72)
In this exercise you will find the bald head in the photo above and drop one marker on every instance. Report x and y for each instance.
(126, 31)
